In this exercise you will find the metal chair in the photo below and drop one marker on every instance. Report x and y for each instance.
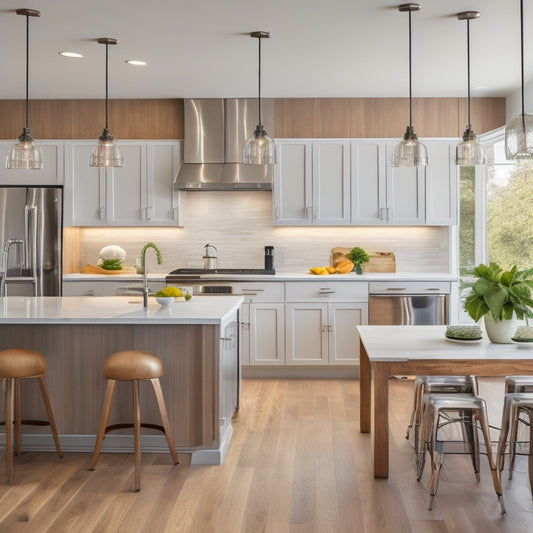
(436, 385)
(473, 409)
(513, 405)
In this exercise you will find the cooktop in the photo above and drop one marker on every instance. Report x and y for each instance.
(244, 271)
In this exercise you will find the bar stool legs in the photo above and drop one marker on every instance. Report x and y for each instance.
(133, 366)
(476, 409)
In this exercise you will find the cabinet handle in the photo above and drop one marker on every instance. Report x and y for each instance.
(102, 213)
(277, 212)
(326, 291)
(314, 213)
(382, 213)
(389, 213)
(245, 324)
(174, 213)
(396, 288)
(433, 289)
(252, 291)
(148, 213)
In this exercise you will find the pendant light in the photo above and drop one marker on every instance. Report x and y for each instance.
(469, 151)
(24, 154)
(260, 148)
(106, 153)
(410, 152)
(519, 130)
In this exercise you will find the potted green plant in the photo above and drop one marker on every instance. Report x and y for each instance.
(358, 257)
(500, 297)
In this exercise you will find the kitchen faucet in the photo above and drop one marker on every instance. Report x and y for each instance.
(145, 270)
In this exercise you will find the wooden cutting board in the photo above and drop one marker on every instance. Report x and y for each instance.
(379, 261)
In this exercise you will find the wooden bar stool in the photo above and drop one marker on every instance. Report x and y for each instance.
(17, 364)
(133, 365)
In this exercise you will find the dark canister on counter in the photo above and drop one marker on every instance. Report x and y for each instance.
(269, 258)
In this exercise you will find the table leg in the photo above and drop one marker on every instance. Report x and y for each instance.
(380, 420)
(365, 386)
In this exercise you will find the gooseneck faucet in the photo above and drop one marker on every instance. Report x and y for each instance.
(145, 270)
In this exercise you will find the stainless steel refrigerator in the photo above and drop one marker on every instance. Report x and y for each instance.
(30, 241)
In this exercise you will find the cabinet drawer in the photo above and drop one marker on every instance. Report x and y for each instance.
(409, 287)
(324, 290)
(260, 291)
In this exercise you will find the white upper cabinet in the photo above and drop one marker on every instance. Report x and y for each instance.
(341, 182)
(441, 183)
(293, 176)
(139, 194)
(368, 183)
(312, 183)
(51, 174)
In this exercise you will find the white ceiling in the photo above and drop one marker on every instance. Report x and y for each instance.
(318, 48)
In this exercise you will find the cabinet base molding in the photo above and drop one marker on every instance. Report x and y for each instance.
(123, 444)
(300, 372)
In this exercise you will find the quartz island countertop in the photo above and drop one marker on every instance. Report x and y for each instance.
(115, 310)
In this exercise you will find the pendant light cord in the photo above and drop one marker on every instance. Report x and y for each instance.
(259, 91)
(468, 68)
(410, 78)
(27, 67)
(522, 59)
(106, 81)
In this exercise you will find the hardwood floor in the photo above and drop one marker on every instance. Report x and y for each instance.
(297, 463)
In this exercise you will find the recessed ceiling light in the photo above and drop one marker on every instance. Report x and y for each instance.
(135, 62)
(70, 54)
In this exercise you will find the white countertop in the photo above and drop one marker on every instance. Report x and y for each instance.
(402, 343)
(280, 275)
(115, 310)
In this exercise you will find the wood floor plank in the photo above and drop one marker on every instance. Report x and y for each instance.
(297, 463)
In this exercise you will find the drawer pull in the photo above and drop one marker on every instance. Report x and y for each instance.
(255, 291)
(433, 289)
(326, 291)
(396, 288)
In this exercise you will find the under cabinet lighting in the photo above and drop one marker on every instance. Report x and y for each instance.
(136, 62)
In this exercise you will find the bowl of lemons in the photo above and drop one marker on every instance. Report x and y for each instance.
(169, 294)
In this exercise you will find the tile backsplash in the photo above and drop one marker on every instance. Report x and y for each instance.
(239, 224)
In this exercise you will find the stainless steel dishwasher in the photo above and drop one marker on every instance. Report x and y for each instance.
(411, 303)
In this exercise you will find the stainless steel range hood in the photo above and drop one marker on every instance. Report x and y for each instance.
(216, 131)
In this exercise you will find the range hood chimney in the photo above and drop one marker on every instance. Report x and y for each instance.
(216, 131)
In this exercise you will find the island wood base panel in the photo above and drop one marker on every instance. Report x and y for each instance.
(75, 355)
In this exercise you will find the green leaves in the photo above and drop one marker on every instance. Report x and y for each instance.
(358, 256)
(500, 293)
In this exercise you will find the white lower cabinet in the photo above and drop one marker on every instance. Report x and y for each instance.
(321, 320)
(323, 333)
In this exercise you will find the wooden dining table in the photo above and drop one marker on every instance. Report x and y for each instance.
(421, 350)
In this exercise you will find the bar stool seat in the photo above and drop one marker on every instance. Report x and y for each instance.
(476, 409)
(17, 364)
(133, 365)
(518, 384)
(513, 405)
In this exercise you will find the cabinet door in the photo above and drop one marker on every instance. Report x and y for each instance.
(162, 200)
(126, 187)
(266, 334)
(85, 187)
(343, 339)
(441, 183)
(368, 183)
(51, 174)
(331, 183)
(307, 334)
(293, 183)
(405, 193)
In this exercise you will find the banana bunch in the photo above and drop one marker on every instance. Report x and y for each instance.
(322, 271)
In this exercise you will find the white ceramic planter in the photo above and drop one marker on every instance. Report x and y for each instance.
(500, 331)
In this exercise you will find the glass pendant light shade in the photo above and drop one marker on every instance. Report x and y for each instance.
(410, 152)
(106, 153)
(469, 151)
(519, 130)
(260, 148)
(519, 137)
(24, 155)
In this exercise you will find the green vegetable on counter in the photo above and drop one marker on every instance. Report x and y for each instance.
(358, 257)
(110, 264)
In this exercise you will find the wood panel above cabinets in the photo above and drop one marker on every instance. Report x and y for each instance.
(85, 119)
(383, 117)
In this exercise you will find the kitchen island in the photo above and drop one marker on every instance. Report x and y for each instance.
(197, 342)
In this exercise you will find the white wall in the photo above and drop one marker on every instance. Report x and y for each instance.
(239, 224)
